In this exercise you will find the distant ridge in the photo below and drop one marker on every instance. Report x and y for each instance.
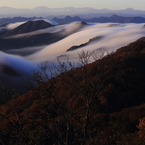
(16, 19)
(33, 40)
(29, 27)
(113, 19)
(43, 11)
(85, 44)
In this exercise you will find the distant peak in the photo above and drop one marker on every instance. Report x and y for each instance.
(114, 16)
(129, 9)
(77, 17)
(68, 17)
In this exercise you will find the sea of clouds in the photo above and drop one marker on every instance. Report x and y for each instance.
(113, 36)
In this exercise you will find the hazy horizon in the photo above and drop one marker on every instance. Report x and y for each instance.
(110, 4)
(42, 6)
(84, 12)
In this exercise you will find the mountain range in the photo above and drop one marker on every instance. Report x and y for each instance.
(16, 19)
(87, 12)
(68, 19)
(112, 19)
(14, 38)
(28, 27)
(21, 36)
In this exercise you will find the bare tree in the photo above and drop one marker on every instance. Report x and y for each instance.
(76, 81)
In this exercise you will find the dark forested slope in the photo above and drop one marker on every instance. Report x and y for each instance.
(99, 103)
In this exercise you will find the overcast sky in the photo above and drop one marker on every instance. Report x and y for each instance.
(98, 4)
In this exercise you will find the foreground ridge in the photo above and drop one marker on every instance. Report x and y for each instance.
(98, 103)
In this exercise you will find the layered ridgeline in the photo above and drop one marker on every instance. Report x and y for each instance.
(112, 19)
(34, 33)
(24, 28)
(98, 103)
(28, 27)
(43, 11)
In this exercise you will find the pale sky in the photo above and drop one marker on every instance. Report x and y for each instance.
(98, 4)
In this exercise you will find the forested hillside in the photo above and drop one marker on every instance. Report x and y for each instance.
(99, 103)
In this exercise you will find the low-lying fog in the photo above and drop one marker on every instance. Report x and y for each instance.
(113, 36)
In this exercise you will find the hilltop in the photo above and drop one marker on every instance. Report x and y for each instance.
(29, 26)
(32, 40)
